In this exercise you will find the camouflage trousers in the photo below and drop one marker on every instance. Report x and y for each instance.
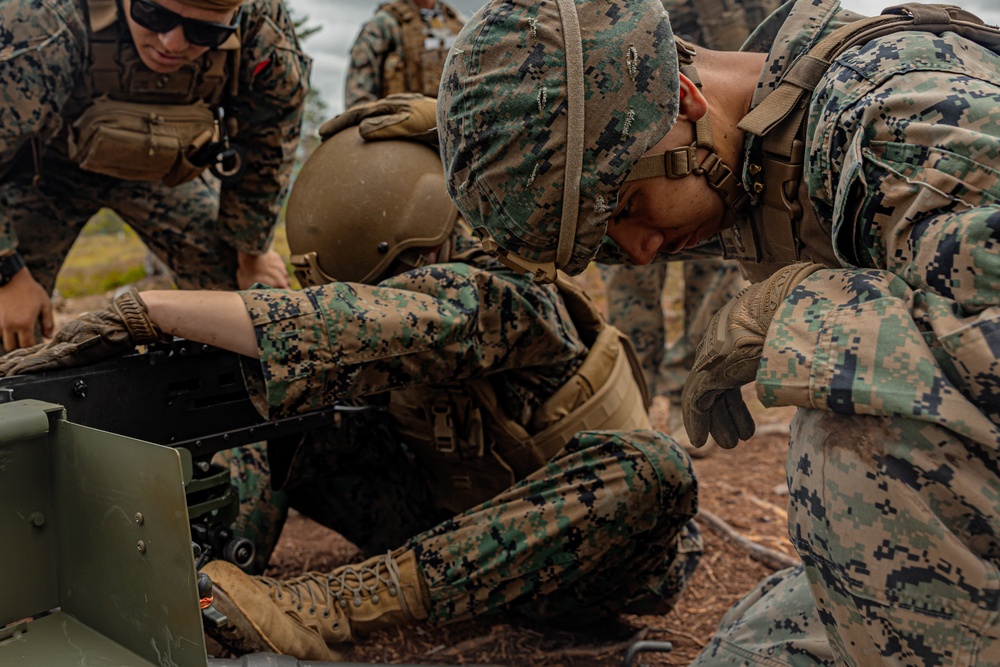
(178, 224)
(896, 522)
(637, 306)
(604, 527)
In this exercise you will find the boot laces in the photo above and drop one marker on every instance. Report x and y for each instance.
(343, 586)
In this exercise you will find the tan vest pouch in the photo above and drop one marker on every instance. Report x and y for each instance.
(604, 396)
(141, 142)
(393, 76)
(141, 125)
(444, 428)
(476, 451)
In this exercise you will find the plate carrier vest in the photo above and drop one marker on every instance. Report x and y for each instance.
(424, 57)
(783, 227)
(471, 450)
(138, 124)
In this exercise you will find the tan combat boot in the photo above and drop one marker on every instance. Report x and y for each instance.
(317, 616)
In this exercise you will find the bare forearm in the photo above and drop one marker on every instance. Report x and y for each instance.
(214, 318)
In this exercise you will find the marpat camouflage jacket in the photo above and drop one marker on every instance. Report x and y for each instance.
(903, 164)
(442, 323)
(43, 59)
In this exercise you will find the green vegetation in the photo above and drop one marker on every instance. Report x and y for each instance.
(108, 254)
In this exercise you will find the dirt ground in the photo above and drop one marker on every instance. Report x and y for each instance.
(745, 487)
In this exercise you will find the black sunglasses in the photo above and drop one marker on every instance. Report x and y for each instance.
(152, 16)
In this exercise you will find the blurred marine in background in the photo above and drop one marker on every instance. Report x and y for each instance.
(124, 104)
(401, 50)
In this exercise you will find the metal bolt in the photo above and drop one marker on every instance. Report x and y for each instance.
(37, 518)
(139, 518)
(141, 546)
(80, 388)
(383, 247)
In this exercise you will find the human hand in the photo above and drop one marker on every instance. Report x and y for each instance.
(400, 116)
(90, 338)
(23, 305)
(268, 269)
(728, 357)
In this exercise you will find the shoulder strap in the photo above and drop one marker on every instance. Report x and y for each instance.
(781, 117)
(797, 85)
(412, 31)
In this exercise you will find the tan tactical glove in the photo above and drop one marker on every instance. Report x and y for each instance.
(728, 357)
(90, 338)
(400, 116)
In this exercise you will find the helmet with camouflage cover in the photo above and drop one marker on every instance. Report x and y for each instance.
(358, 207)
(545, 106)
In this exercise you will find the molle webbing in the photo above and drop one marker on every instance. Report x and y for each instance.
(471, 450)
(118, 72)
(412, 28)
(780, 121)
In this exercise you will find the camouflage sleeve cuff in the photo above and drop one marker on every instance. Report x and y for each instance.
(323, 344)
(856, 342)
(293, 350)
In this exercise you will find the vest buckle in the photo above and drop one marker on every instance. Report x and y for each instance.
(443, 425)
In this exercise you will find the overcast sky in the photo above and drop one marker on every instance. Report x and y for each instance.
(341, 20)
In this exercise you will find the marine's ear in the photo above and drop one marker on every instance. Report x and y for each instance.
(693, 104)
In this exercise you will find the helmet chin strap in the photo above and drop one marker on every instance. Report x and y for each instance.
(682, 162)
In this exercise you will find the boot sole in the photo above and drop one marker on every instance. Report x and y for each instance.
(240, 635)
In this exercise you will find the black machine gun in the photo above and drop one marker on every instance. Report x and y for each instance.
(183, 395)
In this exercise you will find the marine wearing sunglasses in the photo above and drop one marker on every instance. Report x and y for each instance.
(165, 48)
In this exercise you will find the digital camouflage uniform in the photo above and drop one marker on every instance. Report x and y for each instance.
(893, 464)
(891, 352)
(379, 47)
(193, 227)
(602, 527)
